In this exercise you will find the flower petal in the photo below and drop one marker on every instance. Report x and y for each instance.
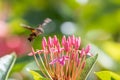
(53, 61)
(87, 49)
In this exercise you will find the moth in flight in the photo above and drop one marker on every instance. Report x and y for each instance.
(36, 31)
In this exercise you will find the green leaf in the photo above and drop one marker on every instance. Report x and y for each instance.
(107, 75)
(37, 76)
(6, 64)
(89, 64)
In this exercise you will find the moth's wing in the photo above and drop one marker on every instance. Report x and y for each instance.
(27, 27)
(40, 26)
(46, 21)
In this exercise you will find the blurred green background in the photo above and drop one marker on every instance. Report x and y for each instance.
(96, 21)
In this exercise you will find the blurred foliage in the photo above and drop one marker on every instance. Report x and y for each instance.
(113, 49)
(98, 21)
(107, 75)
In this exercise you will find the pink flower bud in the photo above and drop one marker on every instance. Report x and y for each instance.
(82, 53)
(69, 41)
(63, 40)
(50, 42)
(55, 40)
(87, 49)
(77, 43)
(66, 46)
(49, 49)
(58, 47)
(73, 39)
(44, 43)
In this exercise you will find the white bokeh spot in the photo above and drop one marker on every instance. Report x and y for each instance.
(82, 1)
(68, 28)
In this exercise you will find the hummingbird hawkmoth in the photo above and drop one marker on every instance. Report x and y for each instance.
(36, 31)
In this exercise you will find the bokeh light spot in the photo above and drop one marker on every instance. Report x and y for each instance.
(3, 29)
(68, 28)
(82, 1)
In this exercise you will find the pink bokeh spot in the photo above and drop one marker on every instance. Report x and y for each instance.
(16, 44)
(13, 42)
(3, 29)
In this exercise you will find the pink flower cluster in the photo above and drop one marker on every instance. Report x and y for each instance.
(63, 60)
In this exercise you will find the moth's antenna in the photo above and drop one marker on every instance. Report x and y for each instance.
(23, 25)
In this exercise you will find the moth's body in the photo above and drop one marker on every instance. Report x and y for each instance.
(36, 31)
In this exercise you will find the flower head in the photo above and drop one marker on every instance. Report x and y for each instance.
(63, 60)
